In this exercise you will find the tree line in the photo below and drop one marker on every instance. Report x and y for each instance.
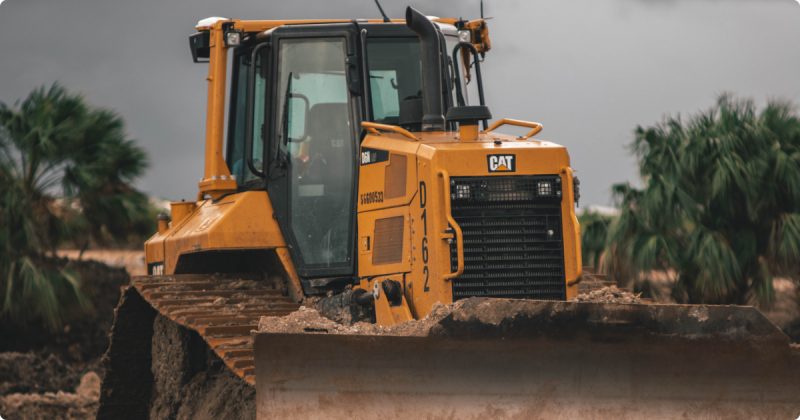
(719, 208)
(66, 175)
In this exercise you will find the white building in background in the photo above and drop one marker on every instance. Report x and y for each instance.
(604, 210)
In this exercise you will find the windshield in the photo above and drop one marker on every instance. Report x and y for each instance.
(395, 75)
(395, 79)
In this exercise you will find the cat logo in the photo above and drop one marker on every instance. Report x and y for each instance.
(502, 163)
(154, 269)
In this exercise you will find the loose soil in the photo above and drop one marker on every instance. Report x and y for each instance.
(84, 335)
(38, 373)
(47, 374)
(608, 295)
(60, 405)
(131, 261)
(308, 320)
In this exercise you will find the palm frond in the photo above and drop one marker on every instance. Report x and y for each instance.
(721, 201)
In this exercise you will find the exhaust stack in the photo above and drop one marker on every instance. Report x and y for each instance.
(433, 118)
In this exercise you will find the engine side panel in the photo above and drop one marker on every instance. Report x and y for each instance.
(236, 221)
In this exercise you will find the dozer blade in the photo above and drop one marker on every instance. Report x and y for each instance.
(514, 359)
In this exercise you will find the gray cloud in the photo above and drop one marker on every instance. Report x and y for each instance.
(589, 70)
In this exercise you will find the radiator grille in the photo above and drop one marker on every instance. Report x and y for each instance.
(388, 241)
(512, 237)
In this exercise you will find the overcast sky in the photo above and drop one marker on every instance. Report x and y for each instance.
(589, 70)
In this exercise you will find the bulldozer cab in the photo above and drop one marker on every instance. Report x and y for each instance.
(299, 94)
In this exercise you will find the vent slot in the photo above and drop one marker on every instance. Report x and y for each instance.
(388, 241)
(395, 180)
(512, 237)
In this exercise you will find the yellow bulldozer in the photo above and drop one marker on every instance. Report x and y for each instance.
(359, 176)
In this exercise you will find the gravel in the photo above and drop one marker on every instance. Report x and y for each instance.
(608, 295)
(307, 320)
(81, 405)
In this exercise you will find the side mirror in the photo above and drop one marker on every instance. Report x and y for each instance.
(297, 109)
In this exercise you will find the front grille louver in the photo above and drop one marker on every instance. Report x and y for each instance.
(512, 236)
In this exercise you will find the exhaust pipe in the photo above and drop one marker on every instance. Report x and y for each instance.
(433, 118)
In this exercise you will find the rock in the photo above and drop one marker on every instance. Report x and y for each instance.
(608, 295)
(89, 387)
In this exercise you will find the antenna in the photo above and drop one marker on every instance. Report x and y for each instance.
(483, 54)
(386, 19)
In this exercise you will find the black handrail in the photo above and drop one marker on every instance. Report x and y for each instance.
(460, 95)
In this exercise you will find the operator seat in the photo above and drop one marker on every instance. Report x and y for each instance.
(330, 166)
(328, 130)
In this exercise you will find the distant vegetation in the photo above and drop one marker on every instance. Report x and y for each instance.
(594, 231)
(720, 207)
(66, 171)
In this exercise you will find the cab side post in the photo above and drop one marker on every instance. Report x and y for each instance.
(216, 176)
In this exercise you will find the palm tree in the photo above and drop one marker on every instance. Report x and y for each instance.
(721, 202)
(99, 180)
(594, 230)
(64, 171)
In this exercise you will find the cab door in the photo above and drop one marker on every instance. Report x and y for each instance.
(315, 126)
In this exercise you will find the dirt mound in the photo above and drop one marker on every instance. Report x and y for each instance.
(308, 320)
(793, 331)
(242, 285)
(35, 373)
(81, 405)
(190, 381)
(131, 260)
(40, 368)
(608, 295)
(157, 369)
(84, 336)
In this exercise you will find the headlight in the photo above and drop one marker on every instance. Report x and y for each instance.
(545, 189)
(462, 192)
(233, 38)
(465, 36)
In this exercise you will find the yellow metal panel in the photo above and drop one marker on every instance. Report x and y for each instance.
(387, 315)
(154, 250)
(295, 289)
(430, 253)
(216, 177)
(154, 247)
(573, 267)
(471, 161)
(237, 221)
(366, 229)
(372, 177)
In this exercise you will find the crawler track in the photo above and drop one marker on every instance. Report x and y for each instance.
(222, 308)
